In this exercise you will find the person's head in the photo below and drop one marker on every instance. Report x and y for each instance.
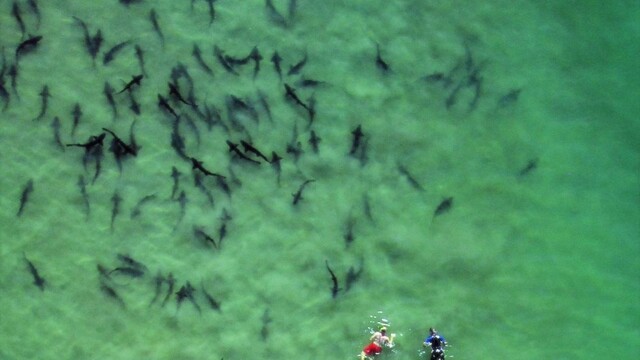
(383, 330)
(432, 331)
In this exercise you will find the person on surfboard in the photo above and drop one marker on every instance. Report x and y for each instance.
(377, 341)
(436, 342)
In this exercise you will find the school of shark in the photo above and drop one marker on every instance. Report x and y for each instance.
(222, 120)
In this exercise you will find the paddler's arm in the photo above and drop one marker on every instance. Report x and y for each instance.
(390, 343)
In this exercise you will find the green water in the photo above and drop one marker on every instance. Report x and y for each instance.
(521, 267)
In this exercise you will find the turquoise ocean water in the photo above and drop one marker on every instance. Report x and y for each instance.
(525, 113)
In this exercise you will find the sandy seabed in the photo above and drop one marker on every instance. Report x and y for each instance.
(525, 115)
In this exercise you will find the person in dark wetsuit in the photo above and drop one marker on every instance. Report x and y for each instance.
(436, 342)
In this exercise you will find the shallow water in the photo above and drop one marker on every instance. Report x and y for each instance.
(524, 264)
